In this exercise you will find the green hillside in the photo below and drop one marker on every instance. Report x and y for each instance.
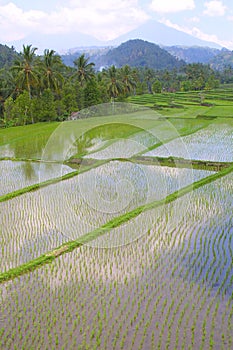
(139, 53)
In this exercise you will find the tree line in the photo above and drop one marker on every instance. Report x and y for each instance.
(42, 88)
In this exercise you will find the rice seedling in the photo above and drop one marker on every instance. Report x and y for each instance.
(136, 284)
(170, 288)
(214, 143)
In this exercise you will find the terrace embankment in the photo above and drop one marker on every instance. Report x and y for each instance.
(162, 161)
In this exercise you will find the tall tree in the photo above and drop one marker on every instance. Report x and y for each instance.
(149, 75)
(128, 80)
(85, 71)
(27, 74)
(51, 77)
(113, 82)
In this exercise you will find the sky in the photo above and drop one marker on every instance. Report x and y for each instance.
(210, 20)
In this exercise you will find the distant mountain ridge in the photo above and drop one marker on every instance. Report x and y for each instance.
(217, 59)
(139, 53)
(152, 31)
(162, 35)
(223, 60)
(135, 53)
(193, 54)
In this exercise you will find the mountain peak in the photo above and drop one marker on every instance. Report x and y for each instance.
(156, 32)
(151, 31)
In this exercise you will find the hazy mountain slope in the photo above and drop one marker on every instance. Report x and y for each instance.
(193, 54)
(60, 43)
(7, 55)
(94, 53)
(223, 60)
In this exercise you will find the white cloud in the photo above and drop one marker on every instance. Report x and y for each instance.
(197, 33)
(214, 8)
(104, 20)
(194, 19)
(14, 22)
(105, 5)
(168, 6)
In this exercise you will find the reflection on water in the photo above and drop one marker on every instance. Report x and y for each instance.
(24, 148)
(99, 136)
(16, 175)
(7, 151)
(74, 140)
(28, 170)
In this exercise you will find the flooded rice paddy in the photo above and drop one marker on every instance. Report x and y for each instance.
(163, 279)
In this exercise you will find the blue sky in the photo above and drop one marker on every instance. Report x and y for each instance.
(210, 20)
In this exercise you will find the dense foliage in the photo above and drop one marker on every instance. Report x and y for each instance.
(37, 88)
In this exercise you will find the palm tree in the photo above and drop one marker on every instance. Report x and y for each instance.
(27, 75)
(85, 71)
(149, 75)
(129, 83)
(113, 82)
(51, 77)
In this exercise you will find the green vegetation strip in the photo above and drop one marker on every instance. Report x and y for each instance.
(173, 162)
(116, 222)
(14, 159)
(53, 181)
(176, 162)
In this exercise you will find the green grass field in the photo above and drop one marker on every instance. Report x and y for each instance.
(188, 104)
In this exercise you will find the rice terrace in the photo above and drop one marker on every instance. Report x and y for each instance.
(117, 226)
